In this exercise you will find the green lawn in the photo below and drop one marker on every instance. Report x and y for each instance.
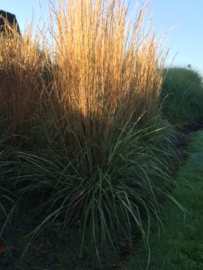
(180, 245)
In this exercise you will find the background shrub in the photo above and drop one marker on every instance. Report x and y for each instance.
(182, 96)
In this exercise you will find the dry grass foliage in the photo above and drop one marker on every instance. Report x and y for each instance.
(103, 69)
(107, 70)
(21, 66)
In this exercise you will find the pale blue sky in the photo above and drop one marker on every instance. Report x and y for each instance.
(186, 39)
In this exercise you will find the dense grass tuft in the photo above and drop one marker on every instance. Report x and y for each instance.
(82, 121)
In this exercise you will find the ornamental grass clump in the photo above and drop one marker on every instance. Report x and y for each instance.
(103, 163)
(22, 84)
(101, 105)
